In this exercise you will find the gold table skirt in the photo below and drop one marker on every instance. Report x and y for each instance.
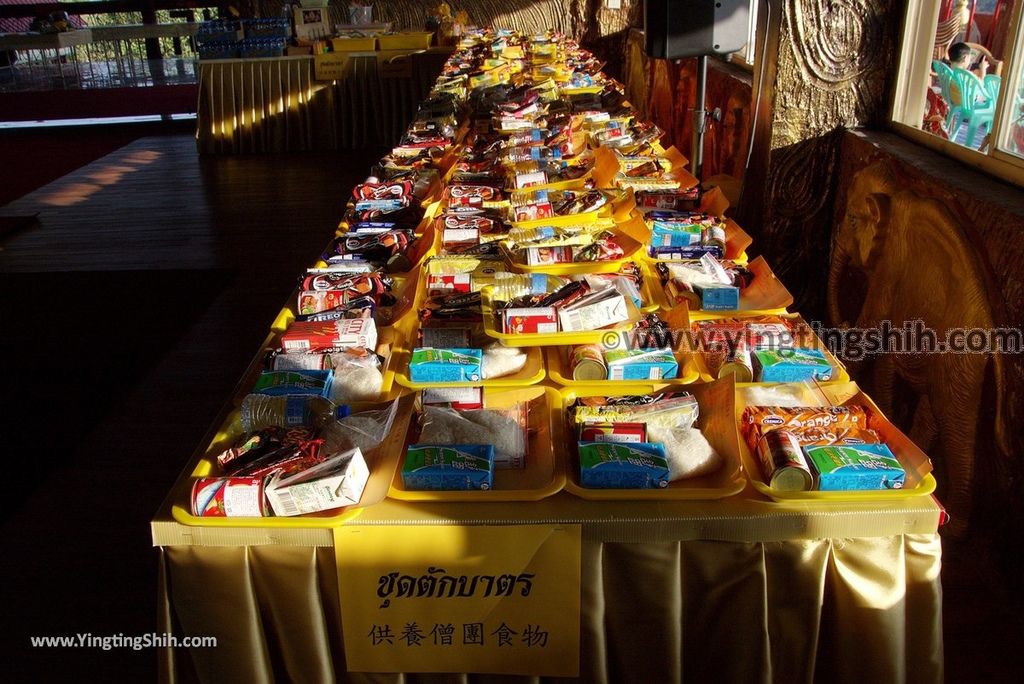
(860, 609)
(277, 105)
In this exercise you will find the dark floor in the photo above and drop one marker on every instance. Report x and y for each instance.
(129, 312)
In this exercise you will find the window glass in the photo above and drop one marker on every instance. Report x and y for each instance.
(967, 71)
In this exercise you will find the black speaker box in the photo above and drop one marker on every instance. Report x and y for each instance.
(688, 28)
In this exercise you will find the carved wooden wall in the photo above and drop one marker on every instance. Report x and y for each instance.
(832, 71)
(665, 91)
(990, 216)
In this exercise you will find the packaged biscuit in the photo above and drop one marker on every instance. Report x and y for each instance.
(765, 418)
(759, 420)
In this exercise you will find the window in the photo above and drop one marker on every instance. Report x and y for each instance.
(961, 87)
(745, 56)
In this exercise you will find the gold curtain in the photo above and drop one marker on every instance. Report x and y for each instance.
(277, 105)
(263, 105)
(837, 610)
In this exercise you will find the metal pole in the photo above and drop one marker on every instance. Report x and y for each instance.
(699, 119)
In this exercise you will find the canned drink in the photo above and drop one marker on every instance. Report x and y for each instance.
(783, 462)
(738, 363)
(714, 236)
(229, 497)
(587, 363)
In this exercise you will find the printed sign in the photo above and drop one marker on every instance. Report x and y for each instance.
(484, 599)
(329, 66)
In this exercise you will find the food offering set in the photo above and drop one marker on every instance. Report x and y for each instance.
(530, 294)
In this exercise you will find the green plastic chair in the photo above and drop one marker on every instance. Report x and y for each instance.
(976, 106)
(945, 74)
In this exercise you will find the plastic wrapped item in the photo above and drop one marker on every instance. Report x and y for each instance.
(504, 429)
(688, 452)
(666, 410)
(500, 360)
(357, 376)
(791, 394)
(363, 430)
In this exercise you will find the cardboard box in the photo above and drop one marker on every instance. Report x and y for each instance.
(315, 383)
(447, 467)
(845, 468)
(313, 336)
(338, 481)
(790, 365)
(606, 465)
(594, 311)
(541, 319)
(641, 364)
(445, 365)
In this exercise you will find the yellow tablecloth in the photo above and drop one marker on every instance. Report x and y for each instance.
(734, 590)
(277, 105)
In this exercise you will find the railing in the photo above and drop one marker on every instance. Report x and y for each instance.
(121, 44)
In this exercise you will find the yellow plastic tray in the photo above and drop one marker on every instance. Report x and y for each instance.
(573, 184)
(532, 373)
(425, 245)
(411, 40)
(559, 372)
(363, 44)
(736, 243)
(431, 208)
(914, 461)
(620, 209)
(544, 473)
(630, 247)
(716, 409)
(381, 461)
(766, 295)
(556, 338)
(609, 167)
(839, 374)
(405, 291)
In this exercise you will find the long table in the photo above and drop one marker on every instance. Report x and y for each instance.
(278, 105)
(735, 590)
(740, 588)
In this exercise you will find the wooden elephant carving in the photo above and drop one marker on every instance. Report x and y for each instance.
(915, 262)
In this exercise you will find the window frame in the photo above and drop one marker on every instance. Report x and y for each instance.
(746, 58)
(917, 41)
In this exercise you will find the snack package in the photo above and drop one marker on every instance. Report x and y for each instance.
(687, 450)
(667, 410)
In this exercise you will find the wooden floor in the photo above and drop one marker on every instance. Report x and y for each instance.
(129, 312)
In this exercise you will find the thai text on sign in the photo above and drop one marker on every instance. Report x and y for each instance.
(503, 600)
